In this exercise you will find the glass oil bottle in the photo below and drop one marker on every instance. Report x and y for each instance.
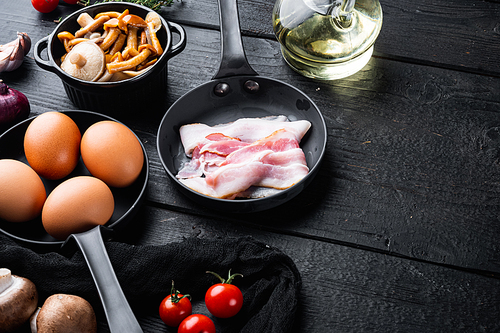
(327, 39)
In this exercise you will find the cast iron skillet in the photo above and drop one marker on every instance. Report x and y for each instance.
(127, 202)
(237, 91)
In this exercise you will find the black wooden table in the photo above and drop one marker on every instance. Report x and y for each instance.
(399, 231)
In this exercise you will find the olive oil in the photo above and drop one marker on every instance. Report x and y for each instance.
(324, 42)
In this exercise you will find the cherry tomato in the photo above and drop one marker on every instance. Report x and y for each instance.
(197, 323)
(71, 2)
(224, 300)
(175, 308)
(45, 6)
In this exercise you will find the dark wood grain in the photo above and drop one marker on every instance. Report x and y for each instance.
(346, 289)
(458, 34)
(463, 35)
(411, 149)
(399, 231)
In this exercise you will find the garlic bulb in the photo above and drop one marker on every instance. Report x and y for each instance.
(12, 54)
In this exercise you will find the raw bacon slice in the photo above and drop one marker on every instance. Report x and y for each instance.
(247, 130)
(193, 168)
(229, 183)
(209, 154)
(220, 144)
(280, 140)
(275, 162)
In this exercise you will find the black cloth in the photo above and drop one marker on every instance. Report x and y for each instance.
(270, 282)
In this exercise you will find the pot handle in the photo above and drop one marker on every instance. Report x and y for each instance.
(233, 59)
(179, 47)
(39, 47)
(118, 312)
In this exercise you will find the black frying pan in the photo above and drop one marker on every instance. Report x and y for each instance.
(127, 202)
(237, 91)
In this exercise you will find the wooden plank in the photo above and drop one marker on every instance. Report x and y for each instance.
(404, 211)
(411, 164)
(346, 289)
(409, 27)
(412, 159)
(343, 289)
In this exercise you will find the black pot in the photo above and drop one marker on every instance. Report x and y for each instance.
(112, 97)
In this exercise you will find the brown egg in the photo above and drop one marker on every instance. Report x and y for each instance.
(22, 193)
(112, 153)
(77, 205)
(52, 145)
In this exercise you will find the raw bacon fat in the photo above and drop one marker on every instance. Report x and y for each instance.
(226, 166)
(245, 129)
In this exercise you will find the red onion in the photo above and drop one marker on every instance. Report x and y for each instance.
(14, 107)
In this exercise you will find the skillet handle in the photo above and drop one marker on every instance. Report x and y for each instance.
(118, 312)
(233, 59)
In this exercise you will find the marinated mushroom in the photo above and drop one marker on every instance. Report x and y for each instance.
(18, 300)
(91, 26)
(85, 61)
(135, 73)
(154, 18)
(62, 313)
(84, 19)
(129, 43)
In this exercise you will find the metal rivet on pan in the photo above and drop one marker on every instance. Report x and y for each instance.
(251, 86)
(221, 89)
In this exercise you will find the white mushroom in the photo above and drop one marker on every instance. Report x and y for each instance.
(84, 19)
(94, 35)
(89, 25)
(18, 300)
(155, 19)
(63, 313)
(135, 73)
(105, 77)
(118, 76)
(85, 61)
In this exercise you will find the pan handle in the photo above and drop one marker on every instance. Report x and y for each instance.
(118, 312)
(233, 59)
